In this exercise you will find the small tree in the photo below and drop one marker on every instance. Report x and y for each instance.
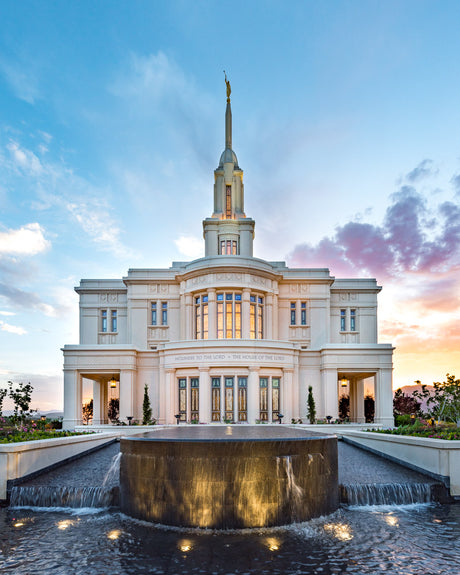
(311, 411)
(113, 410)
(369, 408)
(21, 396)
(146, 407)
(344, 406)
(3, 394)
(87, 412)
(405, 404)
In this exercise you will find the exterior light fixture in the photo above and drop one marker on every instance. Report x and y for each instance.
(344, 382)
(113, 383)
(177, 416)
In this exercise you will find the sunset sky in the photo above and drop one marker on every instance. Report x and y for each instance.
(346, 122)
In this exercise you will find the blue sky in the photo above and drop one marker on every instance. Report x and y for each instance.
(345, 120)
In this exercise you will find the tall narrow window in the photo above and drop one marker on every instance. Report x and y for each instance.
(201, 317)
(263, 399)
(154, 313)
(164, 313)
(343, 316)
(229, 315)
(220, 316)
(275, 398)
(194, 398)
(229, 398)
(183, 398)
(114, 321)
(234, 248)
(352, 320)
(260, 318)
(228, 202)
(303, 313)
(256, 317)
(215, 386)
(293, 319)
(252, 318)
(104, 320)
(242, 399)
(237, 316)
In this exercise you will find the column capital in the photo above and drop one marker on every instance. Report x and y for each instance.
(203, 369)
(170, 370)
(254, 368)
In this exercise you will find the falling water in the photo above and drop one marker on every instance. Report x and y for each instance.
(75, 497)
(385, 493)
(292, 489)
(113, 474)
(105, 495)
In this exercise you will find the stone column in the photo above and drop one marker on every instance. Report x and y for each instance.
(384, 397)
(205, 395)
(359, 413)
(268, 329)
(72, 399)
(188, 317)
(127, 394)
(288, 397)
(212, 314)
(245, 313)
(98, 397)
(253, 394)
(161, 392)
(275, 317)
(182, 314)
(169, 395)
(329, 384)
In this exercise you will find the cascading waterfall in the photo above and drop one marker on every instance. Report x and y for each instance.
(385, 493)
(74, 497)
(292, 489)
(105, 495)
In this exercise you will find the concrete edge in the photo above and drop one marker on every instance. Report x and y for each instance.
(445, 479)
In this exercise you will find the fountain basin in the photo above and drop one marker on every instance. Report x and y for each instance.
(228, 477)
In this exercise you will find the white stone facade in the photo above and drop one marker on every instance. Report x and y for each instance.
(228, 336)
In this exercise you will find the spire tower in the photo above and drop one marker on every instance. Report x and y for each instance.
(228, 231)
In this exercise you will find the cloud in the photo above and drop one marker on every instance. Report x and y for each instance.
(97, 223)
(25, 159)
(52, 186)
(21, 79)
(24, 299)
(190, 246)
(27, 240)
(455, 181)
(411, 239)
(12, 328)
(423, 170)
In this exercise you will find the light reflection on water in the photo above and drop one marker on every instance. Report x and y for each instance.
(410, 540)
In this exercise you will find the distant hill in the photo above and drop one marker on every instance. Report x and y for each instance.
(409, 390)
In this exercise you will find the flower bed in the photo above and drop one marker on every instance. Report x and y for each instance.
(444, 431)
(30, 431)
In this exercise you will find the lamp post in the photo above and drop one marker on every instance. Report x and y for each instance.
(129, 418)
(177, 416)
(280, 417)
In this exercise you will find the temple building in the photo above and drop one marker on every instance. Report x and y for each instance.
(228, 337)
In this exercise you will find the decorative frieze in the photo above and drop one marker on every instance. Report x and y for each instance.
(108, 297)
(160, 289)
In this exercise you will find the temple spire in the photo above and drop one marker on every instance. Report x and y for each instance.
(228, 117)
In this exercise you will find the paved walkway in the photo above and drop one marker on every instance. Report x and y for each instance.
(355, 466)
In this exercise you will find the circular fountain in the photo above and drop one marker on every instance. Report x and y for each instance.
(228, 477)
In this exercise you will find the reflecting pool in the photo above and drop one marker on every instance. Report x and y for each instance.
(406, 540)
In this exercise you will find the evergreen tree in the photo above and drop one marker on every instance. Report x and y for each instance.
(146, 407)
(311, 412)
